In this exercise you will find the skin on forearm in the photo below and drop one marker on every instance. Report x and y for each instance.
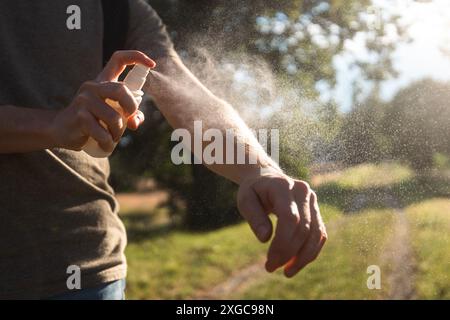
(25, 129)
(183, 99)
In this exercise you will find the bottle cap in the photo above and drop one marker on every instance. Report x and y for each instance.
(136, 77)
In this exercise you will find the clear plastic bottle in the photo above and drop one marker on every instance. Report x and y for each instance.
(134, 80)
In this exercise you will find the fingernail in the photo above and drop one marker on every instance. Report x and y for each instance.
(120, 123)
(289, 273)
(136, 121)
(270, 267)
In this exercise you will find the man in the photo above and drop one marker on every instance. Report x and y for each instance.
(57, 210)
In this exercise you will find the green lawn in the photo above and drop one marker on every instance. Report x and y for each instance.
(430, 230)
(366, 175)
(175, 264)
(355, 242)
(168, 263)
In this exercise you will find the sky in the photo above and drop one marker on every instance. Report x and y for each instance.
(428, 24)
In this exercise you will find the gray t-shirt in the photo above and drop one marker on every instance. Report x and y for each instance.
(56, 206)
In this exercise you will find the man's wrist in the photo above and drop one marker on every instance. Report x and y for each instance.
(258, 171)
(48, 130)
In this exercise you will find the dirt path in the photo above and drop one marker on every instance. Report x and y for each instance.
(142, 201)
(399, 256)
(247, 276)
(236, 282)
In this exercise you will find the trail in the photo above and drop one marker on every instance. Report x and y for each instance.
(399, 256)
(245, 277)
(236, 282)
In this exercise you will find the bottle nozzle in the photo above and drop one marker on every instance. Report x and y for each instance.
(136, 77)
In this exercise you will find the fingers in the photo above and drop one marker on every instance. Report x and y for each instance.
(92, 128)
(314, 244)
(118, 62)
(250, 208)
(109, 116)
(118, 92)
(93, 96)
(292, 210)
(282, 247)
(300, 233)
(302, 194)
(135, 120)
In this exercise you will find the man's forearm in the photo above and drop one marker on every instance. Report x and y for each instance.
(25, 129)
(182, 99)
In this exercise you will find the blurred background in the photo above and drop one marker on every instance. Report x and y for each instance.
(360, 93)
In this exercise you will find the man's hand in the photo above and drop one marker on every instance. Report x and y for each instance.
(72, 126)
(300, 232)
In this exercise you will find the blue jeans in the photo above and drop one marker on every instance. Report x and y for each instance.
(109, 291)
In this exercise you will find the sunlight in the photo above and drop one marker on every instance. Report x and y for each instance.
(428, 21)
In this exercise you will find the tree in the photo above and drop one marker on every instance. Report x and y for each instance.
(418, 123)
(362, 136)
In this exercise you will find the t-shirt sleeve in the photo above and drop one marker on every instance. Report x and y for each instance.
(146, 31)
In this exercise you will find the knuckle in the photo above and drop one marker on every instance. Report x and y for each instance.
(122, 90)
(81, 115)
(121, 87)
(318, 234)
(324, 235)
(305, 228)
(82, 99)
(117, 55)
(305, 186)
(88, 85)
(116, 119)
(292, 217)
(283, 183)
(137, 53)
(117, 87)
(113, 118)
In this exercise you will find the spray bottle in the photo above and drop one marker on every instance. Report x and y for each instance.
(134, 80)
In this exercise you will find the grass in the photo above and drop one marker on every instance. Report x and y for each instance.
(166, 263)
(367, 175)
(430, 228)
(355, 243)
(176, 264)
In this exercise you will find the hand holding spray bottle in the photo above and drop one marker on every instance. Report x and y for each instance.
(134, 80)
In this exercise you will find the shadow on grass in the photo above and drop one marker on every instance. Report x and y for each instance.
(144, 225)
(351, 200)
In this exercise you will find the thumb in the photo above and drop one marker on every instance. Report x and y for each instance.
(135, 120)
(251, 209)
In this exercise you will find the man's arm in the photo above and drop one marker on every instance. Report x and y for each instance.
(264, 188)
(183, 99)
(25, 129)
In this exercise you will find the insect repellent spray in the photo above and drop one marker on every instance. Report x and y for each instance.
(134, 80)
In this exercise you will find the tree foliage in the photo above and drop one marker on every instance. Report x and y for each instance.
(418, 123)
